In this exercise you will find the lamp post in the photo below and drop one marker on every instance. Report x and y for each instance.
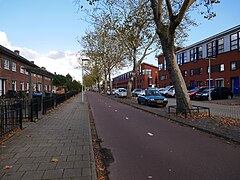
(209, 78)
(81, 59)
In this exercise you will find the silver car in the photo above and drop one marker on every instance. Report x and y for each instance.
(121, 92)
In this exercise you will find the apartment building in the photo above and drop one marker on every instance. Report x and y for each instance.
(16, 72)
(220, 52)
(147, 76)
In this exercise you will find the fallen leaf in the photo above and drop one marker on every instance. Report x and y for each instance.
(7, 167)
(55, 160)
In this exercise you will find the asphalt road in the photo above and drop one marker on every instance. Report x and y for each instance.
(145, 146)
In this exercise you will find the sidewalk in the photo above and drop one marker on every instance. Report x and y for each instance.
(57, 146)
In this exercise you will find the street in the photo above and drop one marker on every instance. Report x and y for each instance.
(145, 146)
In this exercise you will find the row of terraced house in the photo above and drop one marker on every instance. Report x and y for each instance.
(17, 73)
(220, 52)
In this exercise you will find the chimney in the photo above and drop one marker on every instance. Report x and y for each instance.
(32, 62)
(43, 68)
(17, 52)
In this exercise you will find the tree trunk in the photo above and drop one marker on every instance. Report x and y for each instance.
(105, 83)
(110, 82)
(182, 97)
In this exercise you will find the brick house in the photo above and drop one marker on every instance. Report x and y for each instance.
(147, 76)
(221, 52)
(15, 70)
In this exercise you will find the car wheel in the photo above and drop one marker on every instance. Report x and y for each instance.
(146, 103)
(138, 101)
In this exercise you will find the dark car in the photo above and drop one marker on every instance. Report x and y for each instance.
(192, 93)
(216, 93)
(221, 93)
(152, 98)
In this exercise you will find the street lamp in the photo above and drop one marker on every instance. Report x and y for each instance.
(209, 78)
(81, 59)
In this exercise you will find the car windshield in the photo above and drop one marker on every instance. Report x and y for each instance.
(122, 90)
(193, 90)
(153, 93)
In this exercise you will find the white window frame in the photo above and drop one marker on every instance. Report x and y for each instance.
(221, 67)
(14, 85)
(22, 70)
(14, 66)
(6, 64)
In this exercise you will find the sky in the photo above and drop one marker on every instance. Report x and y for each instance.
(46, 31)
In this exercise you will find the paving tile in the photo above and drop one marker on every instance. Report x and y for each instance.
(64, 165)
(31, 175)
(72, 173)
(53, 174)
(28, 167)
(82, 164)
(12, 176)
(47, 166)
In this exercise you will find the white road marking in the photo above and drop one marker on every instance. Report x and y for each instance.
(150, 134)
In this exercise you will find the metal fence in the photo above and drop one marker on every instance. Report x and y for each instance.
(10, 116)
(14, 111)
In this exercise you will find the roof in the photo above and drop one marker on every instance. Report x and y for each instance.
(228, 31)
(32, 67)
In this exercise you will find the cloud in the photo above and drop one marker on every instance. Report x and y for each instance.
(4, 40)
(61, 62)
(56, 54)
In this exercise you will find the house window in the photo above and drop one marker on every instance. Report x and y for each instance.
(199, 83)
(164, 65)
(179, 58)
(160, 66)
(184, 73)
(6, 64)
(200, 70)
(220, 82)
(221, 67)
(220, 46)
(211, 49)
(22, 70)
(14, 85)
(185, 57)
(14, 66)
(199, 56)
(233, 66)
(234, 38)
(193, 54)
(22, 86)
(191, 72)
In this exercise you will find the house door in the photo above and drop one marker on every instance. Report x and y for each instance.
(235, 85)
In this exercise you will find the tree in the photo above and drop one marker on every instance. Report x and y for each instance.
(134, 26)
(103, 47)
(175, 11)
(169, 16)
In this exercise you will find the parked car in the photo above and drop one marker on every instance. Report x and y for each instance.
(109, 92)
(137, 92)
(203, 95)
(221, 93)
(121, 92)
(168, 91)
(152, 98)
(192, 93)
(216, 93)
